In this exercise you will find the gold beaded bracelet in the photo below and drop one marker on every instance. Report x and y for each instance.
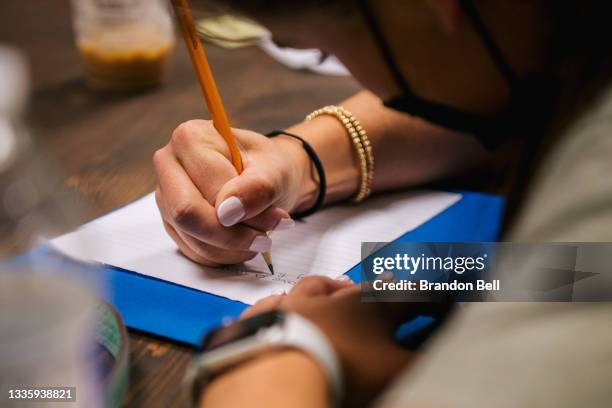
(360, 141)
(365, 141)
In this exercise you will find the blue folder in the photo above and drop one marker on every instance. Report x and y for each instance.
(183, 314)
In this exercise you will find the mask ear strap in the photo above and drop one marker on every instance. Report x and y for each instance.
(470, 10)
(383, 46)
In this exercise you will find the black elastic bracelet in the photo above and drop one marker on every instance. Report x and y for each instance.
(318, 166)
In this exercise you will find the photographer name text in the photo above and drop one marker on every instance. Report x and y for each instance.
(425, 285)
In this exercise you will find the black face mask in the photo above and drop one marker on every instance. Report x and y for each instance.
(529, 103)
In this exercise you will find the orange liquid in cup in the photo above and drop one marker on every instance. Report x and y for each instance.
(125, 58)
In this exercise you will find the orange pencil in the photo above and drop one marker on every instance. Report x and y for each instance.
(209, 89)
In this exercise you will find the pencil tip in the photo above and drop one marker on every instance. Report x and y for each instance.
(267, 256)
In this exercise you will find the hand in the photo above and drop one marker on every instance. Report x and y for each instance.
(215, 215)
(362, 334)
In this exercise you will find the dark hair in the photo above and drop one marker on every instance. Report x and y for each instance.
(582, 62)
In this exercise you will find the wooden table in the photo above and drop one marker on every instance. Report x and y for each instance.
(104, 144)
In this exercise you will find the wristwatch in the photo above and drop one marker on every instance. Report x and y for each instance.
(241, 340)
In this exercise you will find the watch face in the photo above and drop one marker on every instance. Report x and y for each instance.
(240, 329)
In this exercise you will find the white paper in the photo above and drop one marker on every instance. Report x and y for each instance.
(327, 243)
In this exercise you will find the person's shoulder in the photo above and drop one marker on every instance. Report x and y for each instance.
(567, 198)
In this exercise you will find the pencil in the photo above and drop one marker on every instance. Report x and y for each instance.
(209, 89)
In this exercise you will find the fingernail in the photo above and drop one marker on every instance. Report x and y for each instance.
(279, 292)
(230, 211)
(344, 278)
(284, 224)
(261, 243)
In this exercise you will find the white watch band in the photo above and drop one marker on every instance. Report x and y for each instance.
(304, 335)
(293, 331)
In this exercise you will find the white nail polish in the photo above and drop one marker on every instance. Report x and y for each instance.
(261, 243)
(230, 211)
(284, 224)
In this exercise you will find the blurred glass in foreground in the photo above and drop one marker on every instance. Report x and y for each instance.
(31, 204)
(47, 304)
(46, 327)
(124, 44)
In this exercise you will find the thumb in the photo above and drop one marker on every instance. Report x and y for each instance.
(244, 197)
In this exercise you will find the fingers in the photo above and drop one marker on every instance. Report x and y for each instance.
(204, 156)
(199, 132)
(271, 219)
(311, 286)
(183, 207)
(205, 254)
(244, 197)
(308, 287)
(184, 248)
(214, 214)
(264, 305)
(207, 167)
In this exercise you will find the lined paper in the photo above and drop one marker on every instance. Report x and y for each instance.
(327, 243)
